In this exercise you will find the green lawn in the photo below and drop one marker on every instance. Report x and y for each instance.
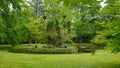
(100, 60)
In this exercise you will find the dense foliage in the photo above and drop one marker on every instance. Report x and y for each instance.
(43, 50)
(55, 22)
(13, 18)
(111, 25)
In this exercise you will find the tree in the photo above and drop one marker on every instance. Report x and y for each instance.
(111, 18)
(87, 14)
(35, 33)
(58, 22)
(14, 14)
(65, 16)
(38, 7)
(2, 31)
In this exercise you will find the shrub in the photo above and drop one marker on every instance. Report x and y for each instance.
(68, 41)
(5, 47)
(114, 48)
(45, 50)
(99, 41)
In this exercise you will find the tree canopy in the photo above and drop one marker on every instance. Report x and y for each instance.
(56, 22)
(13, 15)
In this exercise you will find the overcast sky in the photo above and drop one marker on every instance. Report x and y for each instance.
(103, 3)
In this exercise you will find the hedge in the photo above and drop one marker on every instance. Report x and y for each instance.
(45, 50)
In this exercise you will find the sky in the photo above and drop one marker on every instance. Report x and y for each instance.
(103, 3)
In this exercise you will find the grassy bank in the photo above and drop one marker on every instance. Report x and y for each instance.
(101, 59)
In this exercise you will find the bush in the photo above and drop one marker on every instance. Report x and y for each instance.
(68, 41)
(45, 50)
(5, 47)
(113, 48)
(99, 41)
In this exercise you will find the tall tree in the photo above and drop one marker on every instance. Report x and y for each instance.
(38, 7)
(58, 22)
(111, 18)
(13, 14)
(87, 14)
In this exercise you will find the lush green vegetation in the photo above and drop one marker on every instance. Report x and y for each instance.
(42, 49)
(60, 27)
(58, 22)
(102, 59)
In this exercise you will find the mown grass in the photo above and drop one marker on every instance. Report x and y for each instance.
(101, 59)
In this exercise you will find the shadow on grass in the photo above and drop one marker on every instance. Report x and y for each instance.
(110, 65)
